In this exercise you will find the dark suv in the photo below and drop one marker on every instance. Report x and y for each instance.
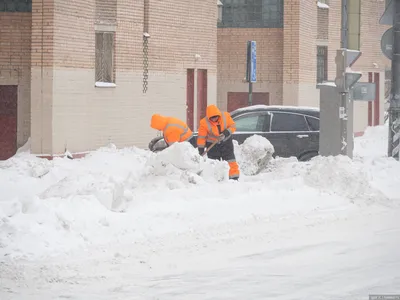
(293, 131)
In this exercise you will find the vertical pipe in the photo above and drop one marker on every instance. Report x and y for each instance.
(344, 96)
(394, 109)
(377, 99)
(369, 103)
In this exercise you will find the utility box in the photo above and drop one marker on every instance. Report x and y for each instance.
(329, 126)
(330, 130)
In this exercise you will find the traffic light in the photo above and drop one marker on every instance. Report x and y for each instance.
(345, 77)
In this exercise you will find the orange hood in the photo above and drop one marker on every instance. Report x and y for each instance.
(158, 122)
(212, 111)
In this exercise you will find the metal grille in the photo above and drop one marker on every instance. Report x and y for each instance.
(145, 63)
(15, 5)
(104, 56)
(322, 64)
(252, 14)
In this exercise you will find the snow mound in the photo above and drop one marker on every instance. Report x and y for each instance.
(182, 156)
(182, 161)
(254, 154)
(337, 175)
(26, 164)
(373, 142)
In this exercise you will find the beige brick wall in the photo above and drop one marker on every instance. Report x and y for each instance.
(85, 117)
(15, 43)
(291, 54)
(232, 45)
(42, 48)
(308, 94)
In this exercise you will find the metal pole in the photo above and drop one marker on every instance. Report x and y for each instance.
(250, 93)
(394, 108)
(343, 114)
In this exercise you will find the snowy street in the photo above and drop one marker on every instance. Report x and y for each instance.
(125, 224)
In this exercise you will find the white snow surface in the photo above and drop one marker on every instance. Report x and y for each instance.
(105, 84)
(131, 224)
(322, 5)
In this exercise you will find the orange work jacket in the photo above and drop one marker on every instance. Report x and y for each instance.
(174, 130)
(209, 131)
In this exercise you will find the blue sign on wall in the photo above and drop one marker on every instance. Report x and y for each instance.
(253, 61)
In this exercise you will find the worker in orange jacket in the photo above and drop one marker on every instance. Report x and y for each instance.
(218, 126)
(173, 129)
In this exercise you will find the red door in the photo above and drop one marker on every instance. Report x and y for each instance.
(238, 100)
(190, 98)
(8, 120)
(201, 94)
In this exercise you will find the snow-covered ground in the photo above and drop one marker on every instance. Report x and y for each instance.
(129, 224)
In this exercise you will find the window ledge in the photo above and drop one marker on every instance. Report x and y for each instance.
(105, 84)
(322, 5)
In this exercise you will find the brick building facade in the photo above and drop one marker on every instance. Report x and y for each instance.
(296, 48)
(78, 75)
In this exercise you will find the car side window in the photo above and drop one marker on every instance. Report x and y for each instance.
(250, 123)
(313, 123)
(288, 122)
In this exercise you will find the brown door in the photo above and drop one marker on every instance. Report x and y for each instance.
(201, 94)
(8, 120)
(238, 100)
(190, 98)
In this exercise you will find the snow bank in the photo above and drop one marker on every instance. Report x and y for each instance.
(254, 154)
(132, 195)
(182, 161)
(373, 143)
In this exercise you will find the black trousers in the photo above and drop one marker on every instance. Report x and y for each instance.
(223, 150)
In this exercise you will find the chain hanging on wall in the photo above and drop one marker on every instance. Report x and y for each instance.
(145, 63)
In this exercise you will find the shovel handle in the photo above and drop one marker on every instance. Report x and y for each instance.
(209, 148)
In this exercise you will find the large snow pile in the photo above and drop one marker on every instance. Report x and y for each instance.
(374, 141)
(254, 154)
(131, 195)
(182, 160)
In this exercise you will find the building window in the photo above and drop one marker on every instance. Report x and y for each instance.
(322, 64)
(15, 5)
(252, 14)
(104, 67)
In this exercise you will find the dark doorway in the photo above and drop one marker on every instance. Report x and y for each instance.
(190, 98)
(240, 99)
(201, 94)
(8, 120)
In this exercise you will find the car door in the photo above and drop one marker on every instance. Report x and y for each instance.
(313, 125)
(289, 133)
(249, 124)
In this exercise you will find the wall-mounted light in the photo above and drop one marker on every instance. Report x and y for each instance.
(219, 5)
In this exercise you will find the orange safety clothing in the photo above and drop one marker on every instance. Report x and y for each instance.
(174, 130)
(211, 131)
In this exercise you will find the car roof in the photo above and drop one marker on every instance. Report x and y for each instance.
(312, 111)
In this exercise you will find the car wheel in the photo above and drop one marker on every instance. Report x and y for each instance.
(308, 156)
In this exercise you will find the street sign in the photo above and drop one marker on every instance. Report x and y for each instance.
(345, 77)
(387, 17)
(253, 61)
(387, 43)
(363, 91)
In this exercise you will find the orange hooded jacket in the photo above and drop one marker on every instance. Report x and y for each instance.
(208, 130)
(174, 130)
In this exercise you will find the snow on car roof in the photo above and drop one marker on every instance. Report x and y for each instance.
(258, 107)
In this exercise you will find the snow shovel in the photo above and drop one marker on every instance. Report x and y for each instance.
(209, 148)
